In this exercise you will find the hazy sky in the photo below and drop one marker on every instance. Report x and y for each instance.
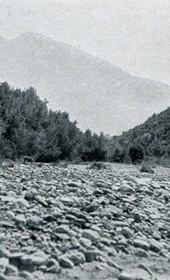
(133, 34)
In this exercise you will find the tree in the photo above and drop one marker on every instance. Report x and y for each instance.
(119, 154)
(28, 128)
(136, 153)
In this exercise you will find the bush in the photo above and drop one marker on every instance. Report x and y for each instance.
(146, 168)
(98, 165)
(62, 164)
(7, 163)
(77, 160)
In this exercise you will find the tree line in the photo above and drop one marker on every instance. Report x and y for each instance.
(29, 128)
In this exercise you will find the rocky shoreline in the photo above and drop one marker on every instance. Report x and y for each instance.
(81, 223)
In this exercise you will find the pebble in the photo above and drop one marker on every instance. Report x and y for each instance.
(85, 242)
(56, 219)
(77, 257)
(11, 270)
(36, 259)
(90, 234)
(92, 255)
(125, 276)
(22, 203)
(125, 188)
(142, 244)
(65, 262)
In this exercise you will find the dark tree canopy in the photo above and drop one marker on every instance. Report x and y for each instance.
(28, 128)
(136, 153)
(150, 140)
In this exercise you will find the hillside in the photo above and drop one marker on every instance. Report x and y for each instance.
(153, 137)
(97, 94)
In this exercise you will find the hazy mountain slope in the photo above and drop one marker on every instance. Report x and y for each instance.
(99, 95)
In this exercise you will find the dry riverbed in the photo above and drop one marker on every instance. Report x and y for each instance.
(81, 223)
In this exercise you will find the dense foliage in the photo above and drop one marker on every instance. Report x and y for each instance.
(28, 128)
(150, 140)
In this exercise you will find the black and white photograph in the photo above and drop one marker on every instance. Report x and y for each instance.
(84, 140)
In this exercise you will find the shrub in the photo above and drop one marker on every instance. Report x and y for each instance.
(146, 168)
(62, 164)
(98, 165)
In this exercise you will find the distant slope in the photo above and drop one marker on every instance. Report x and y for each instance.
(99, 95)
(153, 136)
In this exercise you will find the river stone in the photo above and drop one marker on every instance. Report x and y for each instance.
(65, 262)
(33, 222)
(4, 252)
(10, 214)
(74, 184)
(31, 193)
(8, 163)
(66, 200)
(85, 242)
(93, 206)
(53, 266)
(11, 270)
(16, 256)
(105, 241)
(55, 269)
(77, 257)
(37, 259)
(39, 274)
(3, 277)
(142, 273)
(155, 185)
(127, 232)
(2, 237)
(57, 213)
(137, 217)
(125, 188)
(26, 275)
(22, 203)
(62, 237)
(96, 228)
(141, 244)
(141, 253)
(52, 262)
(90, 234)
(82, 225)
(156, 235)
(75, 243)
(125, 276)
(3, 264)
(92, 255)
(20, 220)
(40, 199)
(100, 183)
(119, 224)
(155, 245)
(62, 229)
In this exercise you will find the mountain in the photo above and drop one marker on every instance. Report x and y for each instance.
(152, 139)
(97, 94)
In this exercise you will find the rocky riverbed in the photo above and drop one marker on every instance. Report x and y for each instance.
(81, 223)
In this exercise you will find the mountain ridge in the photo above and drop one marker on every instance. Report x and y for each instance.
(42, 37)
(101, 96)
